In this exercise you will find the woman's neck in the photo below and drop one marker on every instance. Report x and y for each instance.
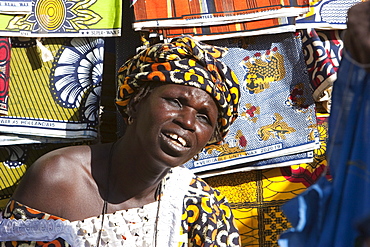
(131, 176)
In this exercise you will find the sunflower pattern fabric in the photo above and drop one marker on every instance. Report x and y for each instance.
(183, 61)
(5, 51)
(276, 125)
(60, 18)
(57, 100)
(205, 215)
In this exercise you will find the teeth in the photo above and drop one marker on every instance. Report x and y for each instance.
(182, 141)
(179, 139)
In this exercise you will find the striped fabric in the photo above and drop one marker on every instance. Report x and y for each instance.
(209, 17)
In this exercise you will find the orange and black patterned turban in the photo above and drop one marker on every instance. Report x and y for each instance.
(183, 61)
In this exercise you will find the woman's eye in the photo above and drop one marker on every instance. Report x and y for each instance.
(175, 102)
(204, 118)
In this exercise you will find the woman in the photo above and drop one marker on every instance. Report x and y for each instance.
(176, 98)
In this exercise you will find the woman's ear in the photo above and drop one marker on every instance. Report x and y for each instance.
(136, 100)
(133, 106)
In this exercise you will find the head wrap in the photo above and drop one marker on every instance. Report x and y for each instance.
(183, 61)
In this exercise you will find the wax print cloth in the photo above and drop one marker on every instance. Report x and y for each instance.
(210, 20)
(58, 99)
(60, 18)
(5, 54)
(256, 196)
(276, 113)
(326, 14)
(323, 53)
(332, 209)
(240, 29)
(163, 13)
(15, 7)
(281, 161)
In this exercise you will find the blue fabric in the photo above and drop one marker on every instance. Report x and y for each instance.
(330, 217)
(276, 113)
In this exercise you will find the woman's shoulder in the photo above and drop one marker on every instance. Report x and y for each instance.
(53, 167)
(52, 179)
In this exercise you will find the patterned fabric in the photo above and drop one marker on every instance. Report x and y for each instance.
(256, 196)
(66, 105)
(323, 53)
(187, 62)
(327, 14)
(277, 111)
(5, 47)
(207, 217)
(230, 30)
(61, 18)
(217, 19)
(206, 13)
(206, 220)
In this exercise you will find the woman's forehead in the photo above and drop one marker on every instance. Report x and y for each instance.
(184, 91)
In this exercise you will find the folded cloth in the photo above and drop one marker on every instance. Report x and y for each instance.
(240, 29)
(281, 161)
(59, 98)
(78, 18)
(5, 51)
(187, 13)
(277, 111)
(322, 53)
(327, 14)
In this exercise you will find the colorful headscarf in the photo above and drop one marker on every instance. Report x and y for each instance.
(183, 61)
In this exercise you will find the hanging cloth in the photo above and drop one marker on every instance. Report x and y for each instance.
(5, 51)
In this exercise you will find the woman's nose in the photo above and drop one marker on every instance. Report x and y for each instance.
(186, 118)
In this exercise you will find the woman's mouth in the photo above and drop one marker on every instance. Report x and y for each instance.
(177, 140)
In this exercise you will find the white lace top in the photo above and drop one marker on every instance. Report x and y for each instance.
(133, 227)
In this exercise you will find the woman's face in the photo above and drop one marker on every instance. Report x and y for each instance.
(175, 122)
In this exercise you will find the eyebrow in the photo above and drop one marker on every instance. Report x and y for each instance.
(205, 109)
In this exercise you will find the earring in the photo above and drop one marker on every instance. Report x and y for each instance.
(130, 120)
(196, 157)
